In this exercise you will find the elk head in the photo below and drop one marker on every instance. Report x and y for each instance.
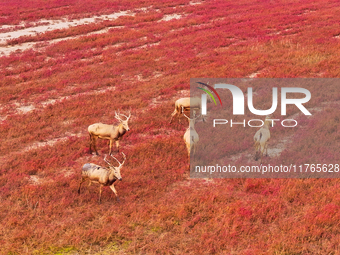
(116, 170)
(268, 120)
(124, 122)
(191, 121)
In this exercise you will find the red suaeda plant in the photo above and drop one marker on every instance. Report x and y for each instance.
(50, 94)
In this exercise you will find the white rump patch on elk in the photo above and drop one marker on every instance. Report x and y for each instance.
(261, 139)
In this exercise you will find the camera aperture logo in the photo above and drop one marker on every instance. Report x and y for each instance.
(239, 103)
(209, 93)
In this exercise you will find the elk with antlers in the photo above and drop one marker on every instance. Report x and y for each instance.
(102, 175)
(191, 137)
(261, 139)
(110, 132)
(185, 104)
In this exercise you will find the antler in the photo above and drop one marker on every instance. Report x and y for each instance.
(193, 118)
(186, 116)
(120, 164)
(107, 161)
(129, 114)
(124, 158)
(119, 118)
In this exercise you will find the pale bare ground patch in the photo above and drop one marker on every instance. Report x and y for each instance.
(254, 75)
(305, 12)
(6, 50)
(67, 122)
(160, 133)
(143, 46)
(37, 180)
(140, 78)
(67, 171)
(92, 92)
(41, 46)
(163, 99)
(182, 93)
(275, 147)
(50, 25)
(187, 182)
(196, 2)
(326, 104)
(157, 101)
(278, 32)
(96, 58)
(64, 23)
(319, 74)
(226, 48)
(147, 45)
(24, 109)
(314, 110)
(171, 17)
(51, 142)
(28, 107)
(117, 45)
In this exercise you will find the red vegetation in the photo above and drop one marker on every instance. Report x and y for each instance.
(145, 65)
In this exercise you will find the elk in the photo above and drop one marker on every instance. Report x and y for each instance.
(110, 132)
(191, 137)
(185, 104)
(261, 139)
(102, 175)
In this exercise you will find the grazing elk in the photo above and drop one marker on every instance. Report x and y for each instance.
(185, 104)
(110, 132)
(102, 175)
(261, 139)
(191, 137)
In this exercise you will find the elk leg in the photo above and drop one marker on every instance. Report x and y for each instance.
(95, 144)
(100, 193)
(189, 150)
(81, 181)
(90, 144)
(193, 151)
(262, 152)
(115, 191)
(110, 147)
(172, 115)
(257, 151)
(117, 145)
